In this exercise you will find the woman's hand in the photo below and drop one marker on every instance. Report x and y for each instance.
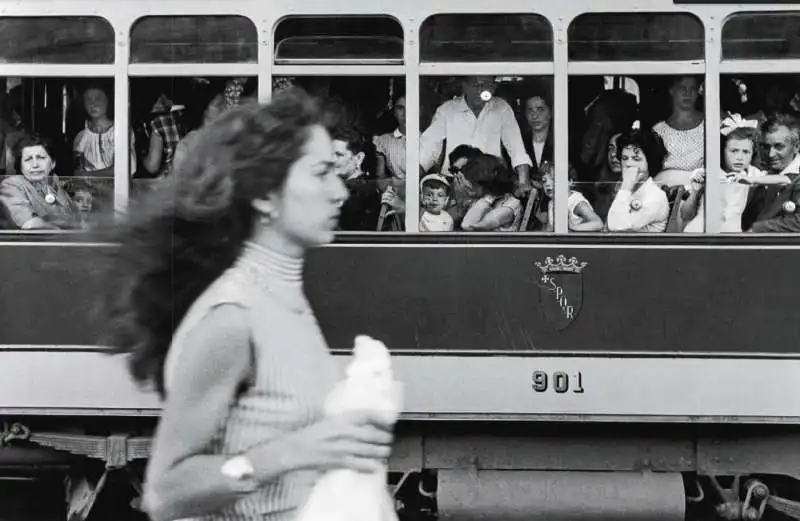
(630, 176)
(360, 441)
(697, 179)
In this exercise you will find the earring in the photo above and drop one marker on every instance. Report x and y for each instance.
(267, 218)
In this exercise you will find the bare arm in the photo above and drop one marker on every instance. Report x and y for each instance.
(152, 161)
(482, 217)
(591, 221)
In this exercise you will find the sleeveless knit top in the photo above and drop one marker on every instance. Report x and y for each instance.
(294, 372)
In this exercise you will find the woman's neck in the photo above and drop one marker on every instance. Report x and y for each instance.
(685, 118)
(540, 136)
(100, 124)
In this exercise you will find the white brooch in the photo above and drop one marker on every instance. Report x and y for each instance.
(636, 204)
(789, 207)
(50, 198)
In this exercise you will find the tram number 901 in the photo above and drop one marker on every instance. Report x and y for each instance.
(560, 382)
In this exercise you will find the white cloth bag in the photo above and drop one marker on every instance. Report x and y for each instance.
(347, 495)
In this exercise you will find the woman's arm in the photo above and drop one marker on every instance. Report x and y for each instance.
(152, 161)
(482, 217)
(184, 480)
(591, 221)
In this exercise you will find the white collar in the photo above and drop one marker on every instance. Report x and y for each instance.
(397, 134)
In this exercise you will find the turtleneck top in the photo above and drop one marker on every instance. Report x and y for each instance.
(293, 371)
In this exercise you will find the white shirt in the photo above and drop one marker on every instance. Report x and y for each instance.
(651, 215)
(430, 222)
(455, 123)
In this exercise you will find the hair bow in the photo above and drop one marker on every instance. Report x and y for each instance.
(734, 121)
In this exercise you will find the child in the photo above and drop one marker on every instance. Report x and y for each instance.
(581, 215)
(435, 197)
(738, 150)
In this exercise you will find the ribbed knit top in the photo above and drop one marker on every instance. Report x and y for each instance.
(294, 371)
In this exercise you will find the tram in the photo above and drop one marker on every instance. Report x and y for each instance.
(550, 374)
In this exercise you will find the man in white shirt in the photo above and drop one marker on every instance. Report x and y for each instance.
(779, 203)
(478, 119)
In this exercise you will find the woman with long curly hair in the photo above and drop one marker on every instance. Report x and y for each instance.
(212, 312)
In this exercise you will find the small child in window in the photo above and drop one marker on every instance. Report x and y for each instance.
(435, 198)
(581, 215)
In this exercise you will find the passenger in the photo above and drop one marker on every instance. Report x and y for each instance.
(166, 131)
(537, 131)
(683, 133)
(739, 148)
(435, 198)
(462, 197)
(213, 106)
(94, 145)
(478, 119)
(640, 205)
(776, 204)
(35, 199)
(354, 155)
(495, 209)
(608, 179)
(13, 130)
(580, 214)
(391, 148)
(206, 294)
(84, 196)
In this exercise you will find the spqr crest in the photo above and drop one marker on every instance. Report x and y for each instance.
(560, 290)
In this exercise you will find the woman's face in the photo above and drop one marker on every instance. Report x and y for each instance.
(35, 163)
(309, 203)
(685, 93)
(215, 109)
(400, 113)
(613, 157)
(95, 102)
(537, 113)
(634, 157)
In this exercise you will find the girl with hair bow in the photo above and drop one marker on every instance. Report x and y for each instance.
(739, 148)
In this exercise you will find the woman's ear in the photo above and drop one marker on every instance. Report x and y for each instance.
(265, 206)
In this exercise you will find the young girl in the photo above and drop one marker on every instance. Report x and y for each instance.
(94, 145)
(738, 152)
(582, 217)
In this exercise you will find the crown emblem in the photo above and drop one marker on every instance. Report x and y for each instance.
(561, 265)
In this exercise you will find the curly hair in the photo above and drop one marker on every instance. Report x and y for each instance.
(651, 145)
(36, 140)
(184, 235)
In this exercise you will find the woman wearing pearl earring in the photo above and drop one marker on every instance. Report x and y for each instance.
(212, 312)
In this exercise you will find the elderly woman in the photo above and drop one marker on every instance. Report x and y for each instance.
(640, 205)
(34, 199)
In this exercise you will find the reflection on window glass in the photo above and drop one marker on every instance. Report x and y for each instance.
(759, 153)
(486, 37)
(349, 38)
(636, 36)
(496, 171)
(638, 152)
(367, 122)
(194, 39)
(761, 36)
(62, 39)
(166, 113)
(58, 152)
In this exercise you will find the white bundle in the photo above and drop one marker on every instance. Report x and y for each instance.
(347, 495)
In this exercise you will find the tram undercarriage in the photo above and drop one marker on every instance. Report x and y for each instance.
(444, 470)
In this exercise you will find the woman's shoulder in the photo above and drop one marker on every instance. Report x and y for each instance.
(13, 181)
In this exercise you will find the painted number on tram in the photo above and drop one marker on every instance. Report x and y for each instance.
(558, 382)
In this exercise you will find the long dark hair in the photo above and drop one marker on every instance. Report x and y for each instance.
(183, 236)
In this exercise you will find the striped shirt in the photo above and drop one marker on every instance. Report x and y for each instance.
(393, 147)
(294, 372)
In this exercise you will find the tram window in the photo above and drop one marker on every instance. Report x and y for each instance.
(486, 38)
(636, 36)
(484, 165)
(61, 39)
(602, 110)
(366, 118)
(773, 35)
(194, 39)
(166, 112)
(357, 39)
(771, 103)
(58, 152)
